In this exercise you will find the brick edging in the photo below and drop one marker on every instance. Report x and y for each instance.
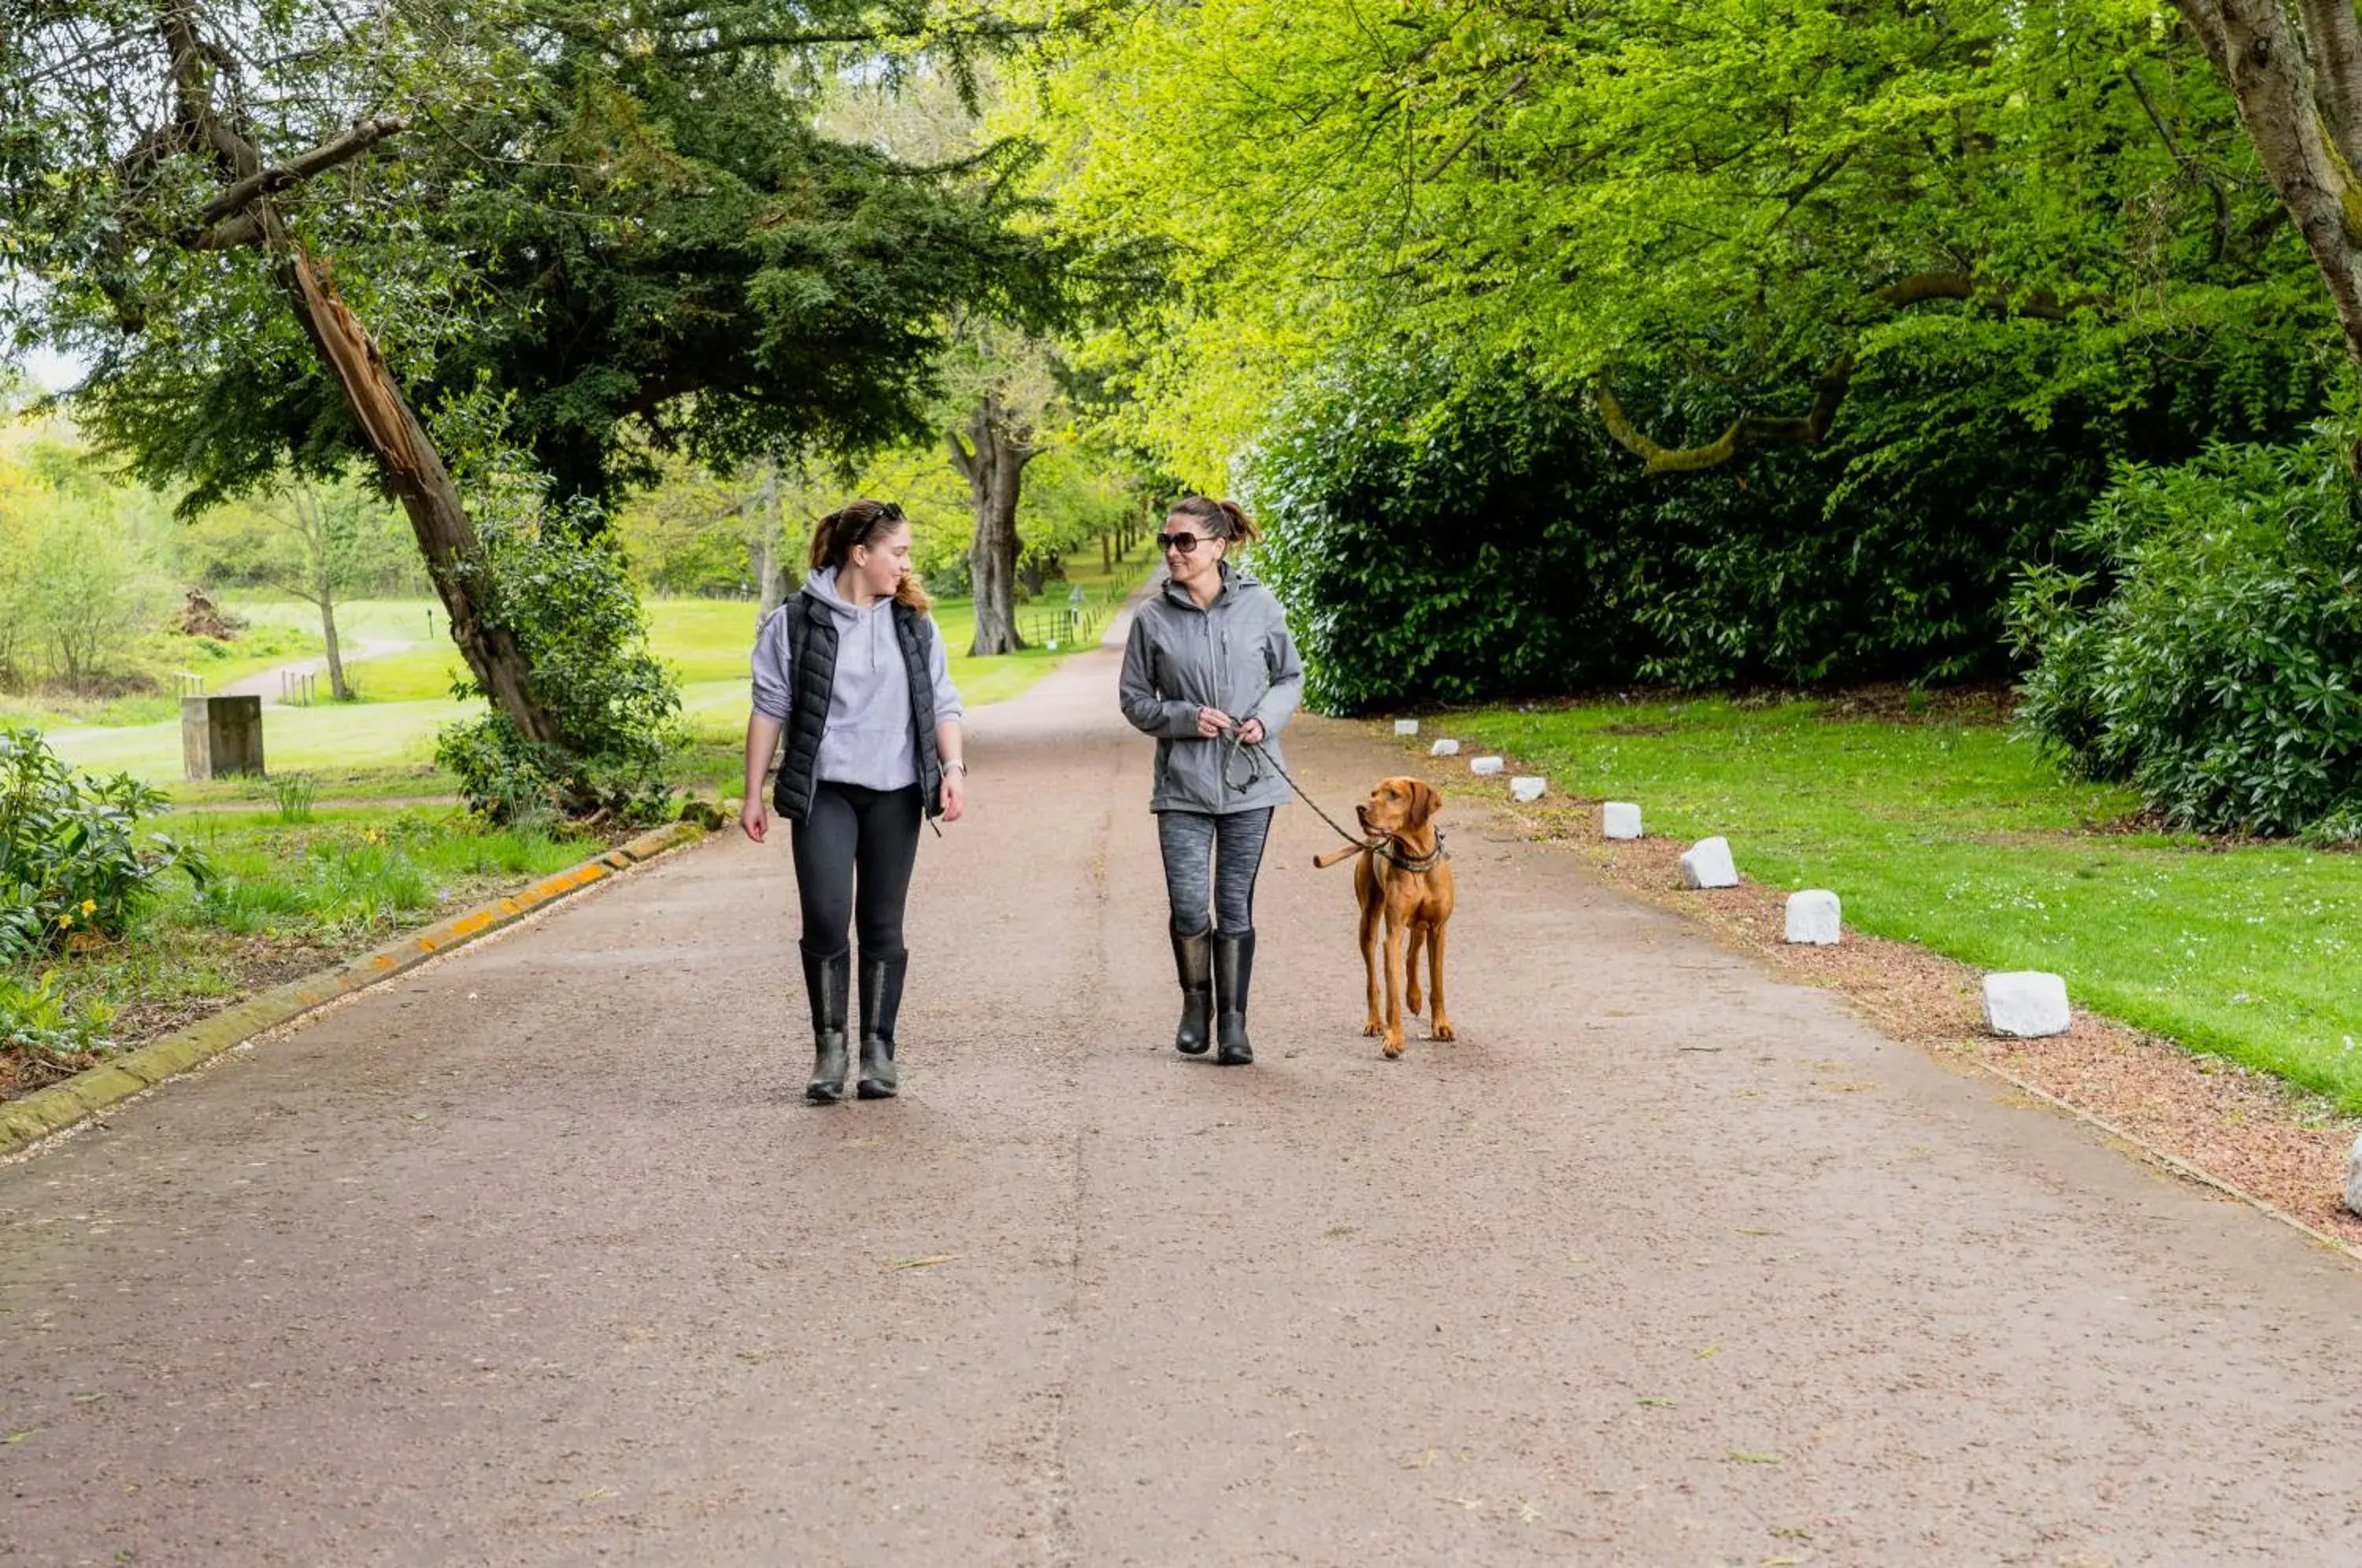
(35, 1116)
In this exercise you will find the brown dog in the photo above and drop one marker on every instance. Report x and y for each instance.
(1403, 878)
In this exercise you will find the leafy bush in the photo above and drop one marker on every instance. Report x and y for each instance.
(70, 856)
(37, 1020)
(2215, 671)
(1448, 532)
(550, 575)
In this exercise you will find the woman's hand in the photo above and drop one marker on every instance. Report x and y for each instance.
(1251, 732)
(954, 793)
(751, 818)
(1212, 721)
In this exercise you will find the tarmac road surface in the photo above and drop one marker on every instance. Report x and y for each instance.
(536, 1254)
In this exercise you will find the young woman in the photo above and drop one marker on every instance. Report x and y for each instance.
(1210, 672)
(851, 669)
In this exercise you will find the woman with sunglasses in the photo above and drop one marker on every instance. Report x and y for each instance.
(853, 670)
(1211, 673)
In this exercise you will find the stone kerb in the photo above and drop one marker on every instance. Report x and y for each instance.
(1707, 864)
(2025, 1004)
(1812, 918)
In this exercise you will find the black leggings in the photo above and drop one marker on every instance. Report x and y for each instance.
(871, 835)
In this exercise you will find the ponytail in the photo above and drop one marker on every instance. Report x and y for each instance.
(859, 523)
(1223, 519)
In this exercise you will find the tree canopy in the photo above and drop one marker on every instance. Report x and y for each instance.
(1760, 195)
(615, 213)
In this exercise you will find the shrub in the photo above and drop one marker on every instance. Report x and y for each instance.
(551, 576)
(1443, 531)
(72, 859)
(69, 849)
(37, 1019)
(2210, 660)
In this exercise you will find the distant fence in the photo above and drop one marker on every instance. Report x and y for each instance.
(1068, 622)
(188, 683)
(296, 691)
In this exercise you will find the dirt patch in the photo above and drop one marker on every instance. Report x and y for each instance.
(2286, 1147)
(1894, 702)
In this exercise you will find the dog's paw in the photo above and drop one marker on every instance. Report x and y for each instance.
(1413, 1002)
(1443, 1030)
(1393, 1046)
(1374, 1029)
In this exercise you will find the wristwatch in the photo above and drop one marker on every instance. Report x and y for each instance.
(955, 765)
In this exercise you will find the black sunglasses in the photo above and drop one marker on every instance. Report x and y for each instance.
(1185, 542)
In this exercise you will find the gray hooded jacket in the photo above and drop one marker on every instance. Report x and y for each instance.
(1235, 655)
(867, 741)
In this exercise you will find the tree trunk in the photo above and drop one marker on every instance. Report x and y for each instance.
(770, 539)
(415, 471)
(2306, 124)
(243, 214)
(994, 467)
(337, 687)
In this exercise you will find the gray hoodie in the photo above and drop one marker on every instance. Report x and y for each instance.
(1235, 655)
(867, 741)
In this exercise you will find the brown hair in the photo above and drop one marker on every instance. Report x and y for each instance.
(1223, 519)
(860, 523)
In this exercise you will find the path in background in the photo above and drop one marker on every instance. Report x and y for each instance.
(269, 684)
(536, 1256)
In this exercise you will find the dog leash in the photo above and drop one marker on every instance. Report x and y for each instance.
(1258, 759)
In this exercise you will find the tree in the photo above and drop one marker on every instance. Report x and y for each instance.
(2296, 75)
(999, 443)
(322, 543)
(619, 217)
(162, 148)
(1612, 196)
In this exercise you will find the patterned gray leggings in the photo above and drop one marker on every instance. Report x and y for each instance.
(1233, 843)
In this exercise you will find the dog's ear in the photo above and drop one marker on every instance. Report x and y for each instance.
(1425, 802)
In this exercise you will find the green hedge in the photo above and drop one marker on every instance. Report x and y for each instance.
(1442, 535)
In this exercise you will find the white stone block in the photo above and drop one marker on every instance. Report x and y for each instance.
(1620, 819)
(1485, 767)
(1444, 748)
(1528, 790)
(2354, 1179)
(1405, 726)
(2025, 1004)
(1812, 918)
(1707, 864)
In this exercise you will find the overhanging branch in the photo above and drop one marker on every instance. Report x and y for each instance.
(1830, 387)
(1747, 430)
(364, 134)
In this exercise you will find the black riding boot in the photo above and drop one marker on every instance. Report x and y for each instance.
(1233, 972)
(826, 981)
(881, 999)
(1193, 957)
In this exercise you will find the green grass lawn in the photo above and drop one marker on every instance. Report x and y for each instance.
(1958, 837)
(384, 743)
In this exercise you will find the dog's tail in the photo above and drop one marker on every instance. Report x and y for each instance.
(1343, 852)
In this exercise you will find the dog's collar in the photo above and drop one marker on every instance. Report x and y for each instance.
(1427, 862)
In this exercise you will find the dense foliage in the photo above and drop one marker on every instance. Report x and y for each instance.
(2210, 659)
(1652, 190)
(562, 589)
(623, 214)
(71, 857)
(1447, 535)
